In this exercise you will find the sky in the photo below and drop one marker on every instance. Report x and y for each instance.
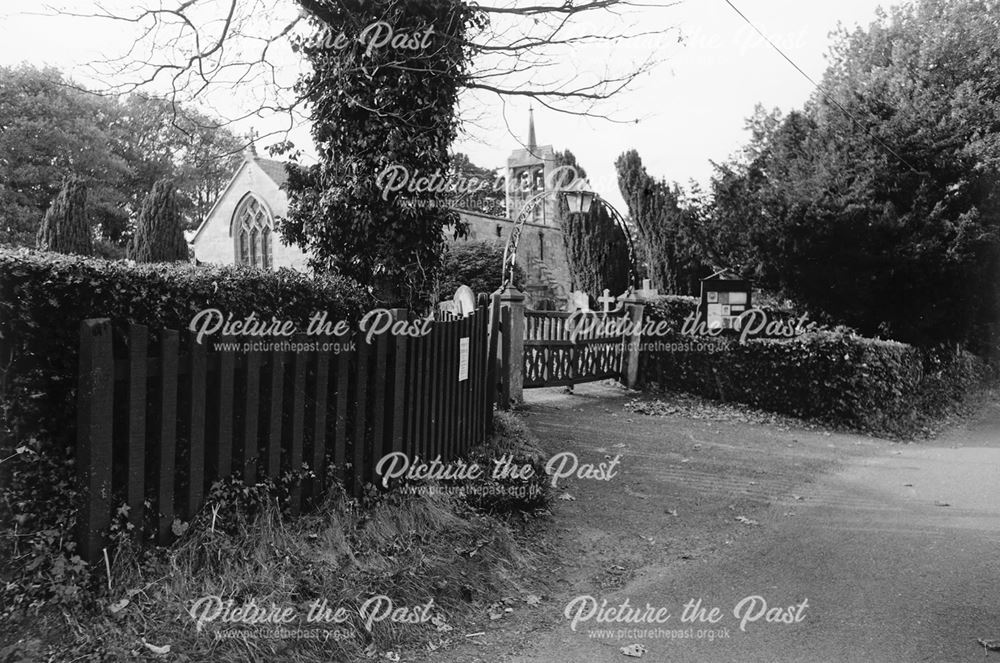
(690, 109)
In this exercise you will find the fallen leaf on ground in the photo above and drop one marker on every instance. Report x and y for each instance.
(671, 512)
(746, 521)
(533, 599)
(696, 407)
(442, 626)
(635, 651)
(117, 606)
(156, 649)
(567, 497)
(392, 656)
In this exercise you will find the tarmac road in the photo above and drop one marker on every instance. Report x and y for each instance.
(895, 547)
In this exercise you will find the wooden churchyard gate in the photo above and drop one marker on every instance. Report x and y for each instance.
(553, 348)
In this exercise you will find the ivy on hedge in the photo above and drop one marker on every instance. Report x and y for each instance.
(872, 385)
(44, 297)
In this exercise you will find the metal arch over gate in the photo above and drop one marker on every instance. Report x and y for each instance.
(579, 198)
(548, 348)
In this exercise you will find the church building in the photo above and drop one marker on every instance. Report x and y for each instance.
(240, 227)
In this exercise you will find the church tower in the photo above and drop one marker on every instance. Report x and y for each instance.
(528, 173)
(541, 251)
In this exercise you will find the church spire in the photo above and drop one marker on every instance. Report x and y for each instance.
(532, 143)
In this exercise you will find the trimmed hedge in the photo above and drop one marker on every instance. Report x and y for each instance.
(871, 385)
(43, 299)
(675, 308)
(45, 296)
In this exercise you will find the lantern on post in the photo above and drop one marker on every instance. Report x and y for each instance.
(579, 196)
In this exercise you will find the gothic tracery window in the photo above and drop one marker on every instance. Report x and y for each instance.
(253, 234)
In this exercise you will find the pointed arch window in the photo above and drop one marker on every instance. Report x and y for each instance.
(253, 226)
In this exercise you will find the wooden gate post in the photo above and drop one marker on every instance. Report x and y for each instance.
(95, 410)
(512, 365)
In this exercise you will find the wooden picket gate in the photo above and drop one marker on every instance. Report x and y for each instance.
(161, 417)
(554, 355)
(552, 348)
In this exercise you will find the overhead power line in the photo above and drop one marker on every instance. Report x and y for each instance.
(822, 91)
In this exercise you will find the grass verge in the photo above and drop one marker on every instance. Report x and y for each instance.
(379, 576)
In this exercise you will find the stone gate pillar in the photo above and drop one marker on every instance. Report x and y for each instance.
(512, 349)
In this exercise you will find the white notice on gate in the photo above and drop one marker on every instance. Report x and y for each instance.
(463, 359)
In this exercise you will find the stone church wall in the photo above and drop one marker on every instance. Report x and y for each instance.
(215, 245)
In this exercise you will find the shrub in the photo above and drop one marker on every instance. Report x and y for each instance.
(478, 265)
(65, 228)
(159, 236)
(877, 386)
(411, 548)
(513, 442)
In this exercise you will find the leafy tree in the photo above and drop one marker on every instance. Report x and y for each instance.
(49, 132)
(50, 129)
(478, 265)
(159, 236)
(882, 209)
(596, 247)
(669, 233)
(462, 165)
(491, 199)
(192, 149)
(378, 111)
(65, 228)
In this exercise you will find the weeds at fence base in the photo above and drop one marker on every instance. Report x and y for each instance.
(410, 548)
(512, 440)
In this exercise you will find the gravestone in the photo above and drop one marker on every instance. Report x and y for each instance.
(647, 292)
(579, 301)
(464, 301)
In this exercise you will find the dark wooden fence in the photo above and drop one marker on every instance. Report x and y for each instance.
(161, 417)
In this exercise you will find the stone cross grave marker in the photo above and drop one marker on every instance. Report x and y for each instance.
(647, 292)
(606, 300)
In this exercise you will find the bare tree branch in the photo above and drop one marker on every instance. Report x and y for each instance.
(208, 51)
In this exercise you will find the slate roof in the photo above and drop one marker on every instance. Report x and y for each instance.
(273, 169)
